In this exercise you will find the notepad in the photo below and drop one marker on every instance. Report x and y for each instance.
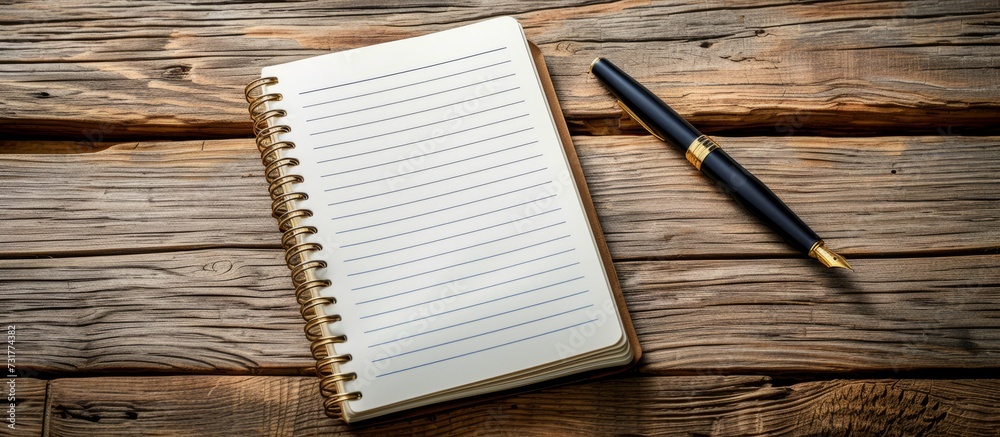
(440, 234)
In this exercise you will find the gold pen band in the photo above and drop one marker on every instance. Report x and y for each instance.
(594, 62)
(696, 151)
(699, 149)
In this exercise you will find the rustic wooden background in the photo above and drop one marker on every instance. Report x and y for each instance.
(142, 270)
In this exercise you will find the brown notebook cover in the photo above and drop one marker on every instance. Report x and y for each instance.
(307, 285)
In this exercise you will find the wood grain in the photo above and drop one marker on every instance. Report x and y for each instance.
(203, 311)
(152, 268)
(147, 69)
(771, 317)
(29, 406)
(135, 197)
(865, 196)
(706, 405)
(231, 311)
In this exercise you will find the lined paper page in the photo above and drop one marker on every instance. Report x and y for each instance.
(456, 241)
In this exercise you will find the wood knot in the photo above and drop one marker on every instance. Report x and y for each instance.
(875, 408)
(176, 71)
(70, 412)
(219, 267)
(42, 95)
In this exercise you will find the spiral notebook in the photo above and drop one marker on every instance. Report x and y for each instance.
(439, 232)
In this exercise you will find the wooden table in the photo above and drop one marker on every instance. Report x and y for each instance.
(142, 270)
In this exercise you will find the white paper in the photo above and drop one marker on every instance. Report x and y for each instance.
(457, 243)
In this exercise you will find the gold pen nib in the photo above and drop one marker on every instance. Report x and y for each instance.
(828, 257)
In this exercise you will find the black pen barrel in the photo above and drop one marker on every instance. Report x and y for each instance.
(758, 199)
(663, 122)
(643, 106)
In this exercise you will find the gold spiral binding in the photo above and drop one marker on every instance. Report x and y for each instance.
(271, 151)
(271, 171)
(261, 121)
(288, 238)
(281, 204)
(288, 220)
(264, 135)
(319, 347)
(304, 291)
(280, 184)
(298, 252)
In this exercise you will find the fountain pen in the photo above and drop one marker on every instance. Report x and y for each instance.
(706, 156)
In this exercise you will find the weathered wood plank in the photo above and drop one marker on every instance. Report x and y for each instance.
(29, 406)
(866, 196)
(137, 196)
(707, 405)
(127, 69)
(232, 311)
(787, 316)
(204, 311)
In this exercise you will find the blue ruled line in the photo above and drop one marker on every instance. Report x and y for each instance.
(482, 333)
(481, 318)
(450, 236)
(405, 86)
(413, 127)
(439, 210)
(470, 276)
(455, 250)
(459, 294)
(411, 99)
(431, 167)
(473, 305)
(412, 113)
(434, 182)
(419, 156)
(419, 141)
(395, 205)
(488, 348)
(459, 264)
(402, 72)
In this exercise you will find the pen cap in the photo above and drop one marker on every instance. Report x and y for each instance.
(644, 106)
